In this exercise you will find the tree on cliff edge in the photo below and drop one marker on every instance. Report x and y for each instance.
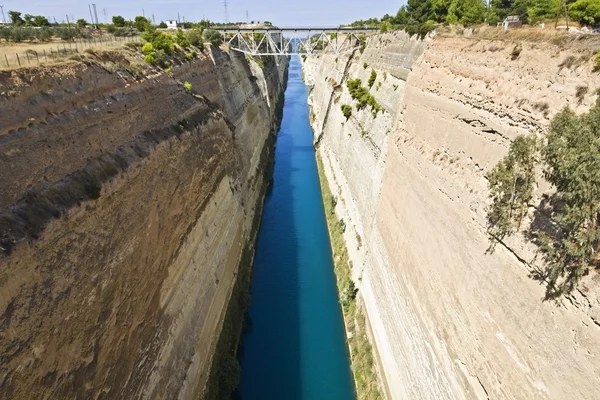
(568, 222)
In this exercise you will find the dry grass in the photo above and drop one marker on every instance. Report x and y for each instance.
(532, 34)
(13, 55)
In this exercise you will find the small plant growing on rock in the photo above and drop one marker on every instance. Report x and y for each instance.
(187, 86)
(347, 110)
(516, 52)
(365, 65)
(597, 62)
(372, 78)
(580, 93)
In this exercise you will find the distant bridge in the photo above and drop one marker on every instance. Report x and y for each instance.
(267, 41)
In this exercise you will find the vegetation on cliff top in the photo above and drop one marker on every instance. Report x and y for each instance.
(419, 16)
(566, 224)
(361, 351)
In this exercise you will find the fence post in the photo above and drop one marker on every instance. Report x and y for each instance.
(18, 59)
(28, 60)
(37, 57)
(45, 56)
(7, 63)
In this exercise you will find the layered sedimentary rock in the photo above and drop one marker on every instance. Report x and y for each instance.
(448, 319)
(128, 210)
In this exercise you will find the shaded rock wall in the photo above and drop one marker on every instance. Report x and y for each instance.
(447, 319)
(125, 208)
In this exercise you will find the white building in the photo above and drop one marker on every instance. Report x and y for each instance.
(171, 24)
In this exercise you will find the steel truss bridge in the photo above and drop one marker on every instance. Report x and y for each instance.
(292, 41)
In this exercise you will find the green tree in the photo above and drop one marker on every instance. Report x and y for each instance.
(572, 156)
(162, 25)
(82, 23)
(213, 37)
(15, 18)
(141, 23)
(586, 12)
(511, 184)
(466, 12)
(540, 10)
(118, 21)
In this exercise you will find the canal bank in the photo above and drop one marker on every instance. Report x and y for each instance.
(294, 346)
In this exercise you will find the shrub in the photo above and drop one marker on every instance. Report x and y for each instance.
(347, 110)
(372, 78)
(362, 96)
(187, 86)
(597, 62)
(516, 52)
(181, 40)
(213, 37)
(365, 65)
(580, 93)
(194, 36)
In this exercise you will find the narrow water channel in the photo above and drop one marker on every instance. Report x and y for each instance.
(294, 347)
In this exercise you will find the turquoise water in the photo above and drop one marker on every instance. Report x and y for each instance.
(294, 346)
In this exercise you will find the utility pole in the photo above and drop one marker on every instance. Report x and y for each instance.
(153, 20)
(226, 10)
(105, 17)
(95, 14)
(178, 19)
(3, 18)
(143, 13)
(247, 16)
(91, 15)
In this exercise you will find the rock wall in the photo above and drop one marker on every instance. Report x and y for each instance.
(127, 204)
(448, 320)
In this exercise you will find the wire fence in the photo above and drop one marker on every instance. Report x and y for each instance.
(46, 53)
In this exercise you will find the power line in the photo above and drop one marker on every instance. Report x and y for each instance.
(226, 10)
(3, 18)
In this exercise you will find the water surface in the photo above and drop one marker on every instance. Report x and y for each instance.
(294, 347)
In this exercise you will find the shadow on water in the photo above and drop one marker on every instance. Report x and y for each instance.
(294, 344)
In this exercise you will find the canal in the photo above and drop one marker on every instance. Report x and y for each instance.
(294, 346)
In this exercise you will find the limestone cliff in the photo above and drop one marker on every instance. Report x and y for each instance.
(128, 213)
(449, 321)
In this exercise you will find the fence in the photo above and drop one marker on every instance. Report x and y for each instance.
(12, 56)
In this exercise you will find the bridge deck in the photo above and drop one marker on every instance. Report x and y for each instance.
(296, 29)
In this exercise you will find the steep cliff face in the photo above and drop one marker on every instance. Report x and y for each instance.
(126, 208)
(447, 319)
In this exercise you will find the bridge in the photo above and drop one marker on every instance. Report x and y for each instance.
(275, 41)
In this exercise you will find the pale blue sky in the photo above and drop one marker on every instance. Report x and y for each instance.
(280, 12)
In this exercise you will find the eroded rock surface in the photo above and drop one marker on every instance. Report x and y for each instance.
(128, 209)
(448, 320)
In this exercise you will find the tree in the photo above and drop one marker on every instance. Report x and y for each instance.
(540, 10)
(15, 18)
(571, 160)
(40, 20)
(466, 12)
(162, 25)
(586, 12)
(511, 188)
(141, 23)
(118, 21)
(82, 23)
(213, 37)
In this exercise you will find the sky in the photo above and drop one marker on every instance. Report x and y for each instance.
(279, 12)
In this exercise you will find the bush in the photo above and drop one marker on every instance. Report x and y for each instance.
(362, 96)
(213, 37)
(194, 36)
(181, 39)
(372, 78)
(187, 86)
(586, 12)
(347, 110)
(365, 65)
